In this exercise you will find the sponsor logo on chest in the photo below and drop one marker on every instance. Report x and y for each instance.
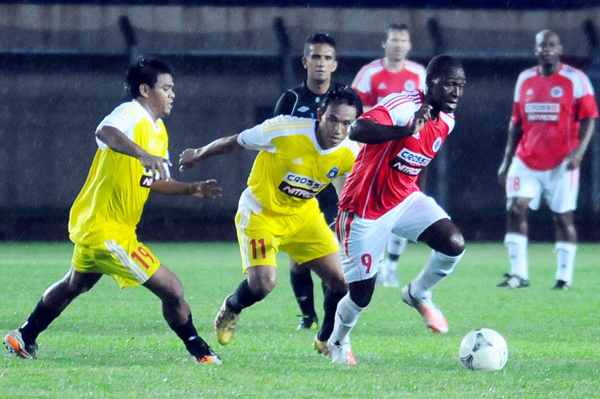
(409, 162)
(299, 186)
(542, 112)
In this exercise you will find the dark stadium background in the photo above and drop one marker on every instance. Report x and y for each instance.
(59, 79)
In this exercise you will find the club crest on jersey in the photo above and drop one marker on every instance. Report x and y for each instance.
(303, 108)
(409, 85)
(437, 144)
(299, 186)
(557, 92)
(333, 172)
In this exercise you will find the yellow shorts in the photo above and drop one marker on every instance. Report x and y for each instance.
(128, 261)
(261, 236)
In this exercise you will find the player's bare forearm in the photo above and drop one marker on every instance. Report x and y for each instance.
(369, 132)
(192, 156)
(199, 189)
(586, 131)
(515, 132)
(118, 142)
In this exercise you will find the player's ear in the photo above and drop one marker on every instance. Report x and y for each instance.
(334, 66)
(145, 90)
(304, 62)
(319, 114)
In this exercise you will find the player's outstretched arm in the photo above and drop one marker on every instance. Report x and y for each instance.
(198, 189)
(192, 156)
(118, 142)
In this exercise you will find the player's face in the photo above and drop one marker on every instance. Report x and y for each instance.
(160, 97)
(547, 48)
(320, 62)
(447, 89)
(397, 45)
(334, 124)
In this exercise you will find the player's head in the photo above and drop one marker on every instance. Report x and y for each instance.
(396, 42)
(151, 82)
(320, 58)
(335, 114)
(547, 48)
(445, 83)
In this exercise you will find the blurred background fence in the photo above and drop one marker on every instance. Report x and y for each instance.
(62, 66)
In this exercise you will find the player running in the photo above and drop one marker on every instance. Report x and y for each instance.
(278, 211)
(402, 134)
(130, 163)
(394, 73)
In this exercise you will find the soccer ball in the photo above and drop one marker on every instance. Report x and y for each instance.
(483, 349)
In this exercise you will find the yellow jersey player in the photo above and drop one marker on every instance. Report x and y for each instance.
(131, 161)
(298, 158)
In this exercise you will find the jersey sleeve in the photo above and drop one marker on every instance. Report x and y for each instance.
(379, 115)
(260, 137)
(586, 102)
(515, 117)
(362, 85)
(400, 107)
(116, 120)
(285, 104)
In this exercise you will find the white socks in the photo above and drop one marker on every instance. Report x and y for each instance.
(517, 252)
(565, 257)
(438, 267)
(346, 317)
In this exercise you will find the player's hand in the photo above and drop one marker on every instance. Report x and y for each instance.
(205, 189)
(188, 158)
(573, 160)
(158, 166)
(421, 117)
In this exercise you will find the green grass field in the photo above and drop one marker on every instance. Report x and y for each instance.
(114, 343)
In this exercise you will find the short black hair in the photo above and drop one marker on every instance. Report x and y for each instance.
(342, 95)
(145, 71)
(394, 26)
(318, 38)
(440, 64)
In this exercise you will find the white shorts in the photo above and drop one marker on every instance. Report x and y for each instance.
(559, 186)
(363, 240)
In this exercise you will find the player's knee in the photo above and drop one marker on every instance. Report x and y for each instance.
(516, 211)
(456, 245)
(263, 286)
(337, 285)
(173, 292)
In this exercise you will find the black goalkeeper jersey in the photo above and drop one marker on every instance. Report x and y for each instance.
(301, 102)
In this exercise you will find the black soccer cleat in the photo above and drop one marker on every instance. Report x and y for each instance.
(561, 285)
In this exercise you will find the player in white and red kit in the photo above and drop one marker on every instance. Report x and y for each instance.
(552, 123)
(402, 134)
(392, 74)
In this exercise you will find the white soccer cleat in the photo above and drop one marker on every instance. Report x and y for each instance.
(341, 353)
(432, 316)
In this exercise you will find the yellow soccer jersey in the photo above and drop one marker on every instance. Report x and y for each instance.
(111, 201)
(291, 167)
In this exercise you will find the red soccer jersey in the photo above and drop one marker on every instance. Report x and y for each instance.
(385, 174)
(373, 82)
(549, 110)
